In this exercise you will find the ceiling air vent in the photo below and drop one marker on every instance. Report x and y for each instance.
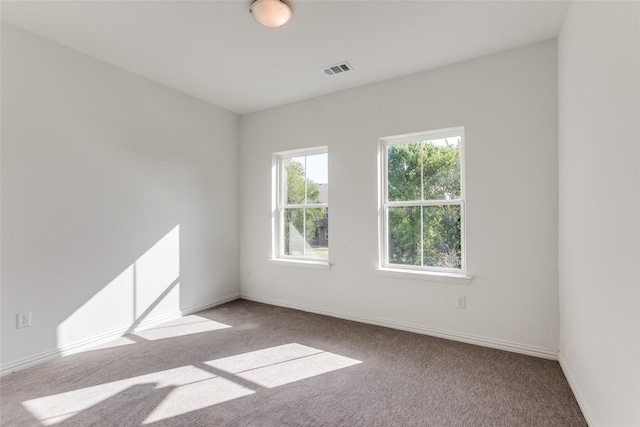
(337, 69)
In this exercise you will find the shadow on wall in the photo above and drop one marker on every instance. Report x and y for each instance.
(148, 290)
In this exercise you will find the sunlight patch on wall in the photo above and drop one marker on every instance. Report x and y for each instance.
(108, 309)
(184, 389)
(149, 288)
(283, 364)
(184, 326)
(157, 271)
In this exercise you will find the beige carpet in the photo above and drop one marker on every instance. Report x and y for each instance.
(250, 364)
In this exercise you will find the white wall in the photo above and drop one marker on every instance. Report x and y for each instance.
(508, 105)
(119, 199)
(599, 215)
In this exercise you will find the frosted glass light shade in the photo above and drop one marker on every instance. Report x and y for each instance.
(271, 13)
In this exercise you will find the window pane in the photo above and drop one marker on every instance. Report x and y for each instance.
(404, 172)
(441, 169)
(317, 234)
(404, 235)
(317, 176)
(294, 232)
(442, 238)
(294, 180)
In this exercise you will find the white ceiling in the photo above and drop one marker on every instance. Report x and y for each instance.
(216, 51)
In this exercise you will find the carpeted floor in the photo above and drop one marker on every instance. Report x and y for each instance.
(251, 364)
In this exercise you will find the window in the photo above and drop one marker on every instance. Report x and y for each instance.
(422, 195)
(301, 202)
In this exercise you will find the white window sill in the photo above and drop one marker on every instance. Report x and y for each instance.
(427, 276)
(318, 265)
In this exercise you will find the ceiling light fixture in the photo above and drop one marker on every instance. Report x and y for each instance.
(270, 13)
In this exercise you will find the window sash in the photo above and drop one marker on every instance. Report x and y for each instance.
(421, 267)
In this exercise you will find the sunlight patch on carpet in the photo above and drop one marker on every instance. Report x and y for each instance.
(186, 388)
(199, 395)
(276, 366)
(162, 395)
(180, 327)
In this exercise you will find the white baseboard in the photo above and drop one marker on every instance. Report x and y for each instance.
(218, 301)
(88, 343)
(529, 350)
(577, 392)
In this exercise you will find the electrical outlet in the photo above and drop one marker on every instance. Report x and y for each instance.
(24, 320)
(461, 302)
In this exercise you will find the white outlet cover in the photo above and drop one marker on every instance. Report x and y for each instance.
(24, 320)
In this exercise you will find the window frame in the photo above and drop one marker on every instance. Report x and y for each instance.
(385, 204)
(279, 205)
